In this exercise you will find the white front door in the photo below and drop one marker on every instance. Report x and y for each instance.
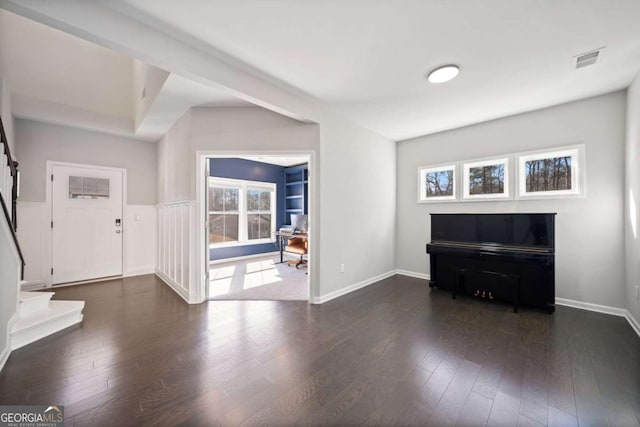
(87, 223)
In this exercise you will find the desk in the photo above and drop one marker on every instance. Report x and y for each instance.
(281, 237)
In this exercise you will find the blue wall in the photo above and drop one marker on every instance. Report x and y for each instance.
(250, 171)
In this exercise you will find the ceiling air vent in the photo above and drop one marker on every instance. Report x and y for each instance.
(588, 58)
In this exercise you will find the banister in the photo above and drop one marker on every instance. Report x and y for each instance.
(7, 150)
(11, 215)
(13, 234)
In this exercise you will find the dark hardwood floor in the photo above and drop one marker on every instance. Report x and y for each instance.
(393, 353)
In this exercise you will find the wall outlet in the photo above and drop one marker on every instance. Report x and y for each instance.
(637, 293)
(341, 268)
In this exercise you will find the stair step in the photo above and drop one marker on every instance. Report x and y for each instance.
(32, 303)
(59, 315)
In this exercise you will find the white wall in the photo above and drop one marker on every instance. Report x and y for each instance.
(149, 79)
(37, 142)
(32, 234)
(174, 163)
(7, 117)
(589, 231)
(357, 205)
(101, 85)
(632, 199)
(140, 239)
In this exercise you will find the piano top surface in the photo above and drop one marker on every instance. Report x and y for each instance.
(493, 232)
(491, 247)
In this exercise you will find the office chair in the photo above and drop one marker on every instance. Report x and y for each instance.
(298, 246)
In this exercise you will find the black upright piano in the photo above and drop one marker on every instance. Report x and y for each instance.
(504, 257)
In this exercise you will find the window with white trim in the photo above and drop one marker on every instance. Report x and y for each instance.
(486, 179)
(437, 183)
(551, 173)
(241, 212)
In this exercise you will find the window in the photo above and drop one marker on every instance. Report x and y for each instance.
(486, 179)
(258, 214)
(436, 183)
(551, 173)
(241, 212)
(224, 213)
(83, 187)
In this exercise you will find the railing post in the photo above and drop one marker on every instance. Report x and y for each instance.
(14, 197)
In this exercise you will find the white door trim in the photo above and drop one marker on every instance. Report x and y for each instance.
(49, 201)
(314, 213)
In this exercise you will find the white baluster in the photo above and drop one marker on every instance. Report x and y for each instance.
(6, 191)
(3, 174)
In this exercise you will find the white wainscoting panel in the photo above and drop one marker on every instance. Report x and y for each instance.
(177, 247)
(32, 236)
(140, 240)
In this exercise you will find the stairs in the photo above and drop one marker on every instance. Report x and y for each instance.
(39, 317)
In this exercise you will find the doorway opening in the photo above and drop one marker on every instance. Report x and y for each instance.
(259, 220)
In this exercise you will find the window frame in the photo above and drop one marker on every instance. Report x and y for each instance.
(577, 154)
(243, 186)
(499, 160)
(422, 173)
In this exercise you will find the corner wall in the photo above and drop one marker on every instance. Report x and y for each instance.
(589, 231)
(632, 200)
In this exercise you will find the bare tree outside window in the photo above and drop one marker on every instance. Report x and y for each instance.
(224, 214)
(486, 179)
(258, 214)
(550, 174)
(439, 183)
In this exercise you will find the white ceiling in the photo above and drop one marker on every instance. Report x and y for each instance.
(177, 95)
(285, 161)
(367, 58)
(59, 78)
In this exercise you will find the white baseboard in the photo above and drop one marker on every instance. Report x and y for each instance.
(633, 322)
(413, 274)
(176, 287)
(340, 292)
(241, 258)
(33, 285)
(140, 272)
(591, 307)
(4, 356)
(6, 351)
(605, 309)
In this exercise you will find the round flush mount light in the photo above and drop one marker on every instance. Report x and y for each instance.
(443, 73)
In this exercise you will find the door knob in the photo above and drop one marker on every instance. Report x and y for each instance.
(118, 231)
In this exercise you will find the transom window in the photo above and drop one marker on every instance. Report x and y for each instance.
(551, 173)
(241, 212)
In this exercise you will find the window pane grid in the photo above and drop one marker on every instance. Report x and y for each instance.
(240, 212)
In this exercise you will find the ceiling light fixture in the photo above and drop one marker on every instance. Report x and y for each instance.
(443, 73)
